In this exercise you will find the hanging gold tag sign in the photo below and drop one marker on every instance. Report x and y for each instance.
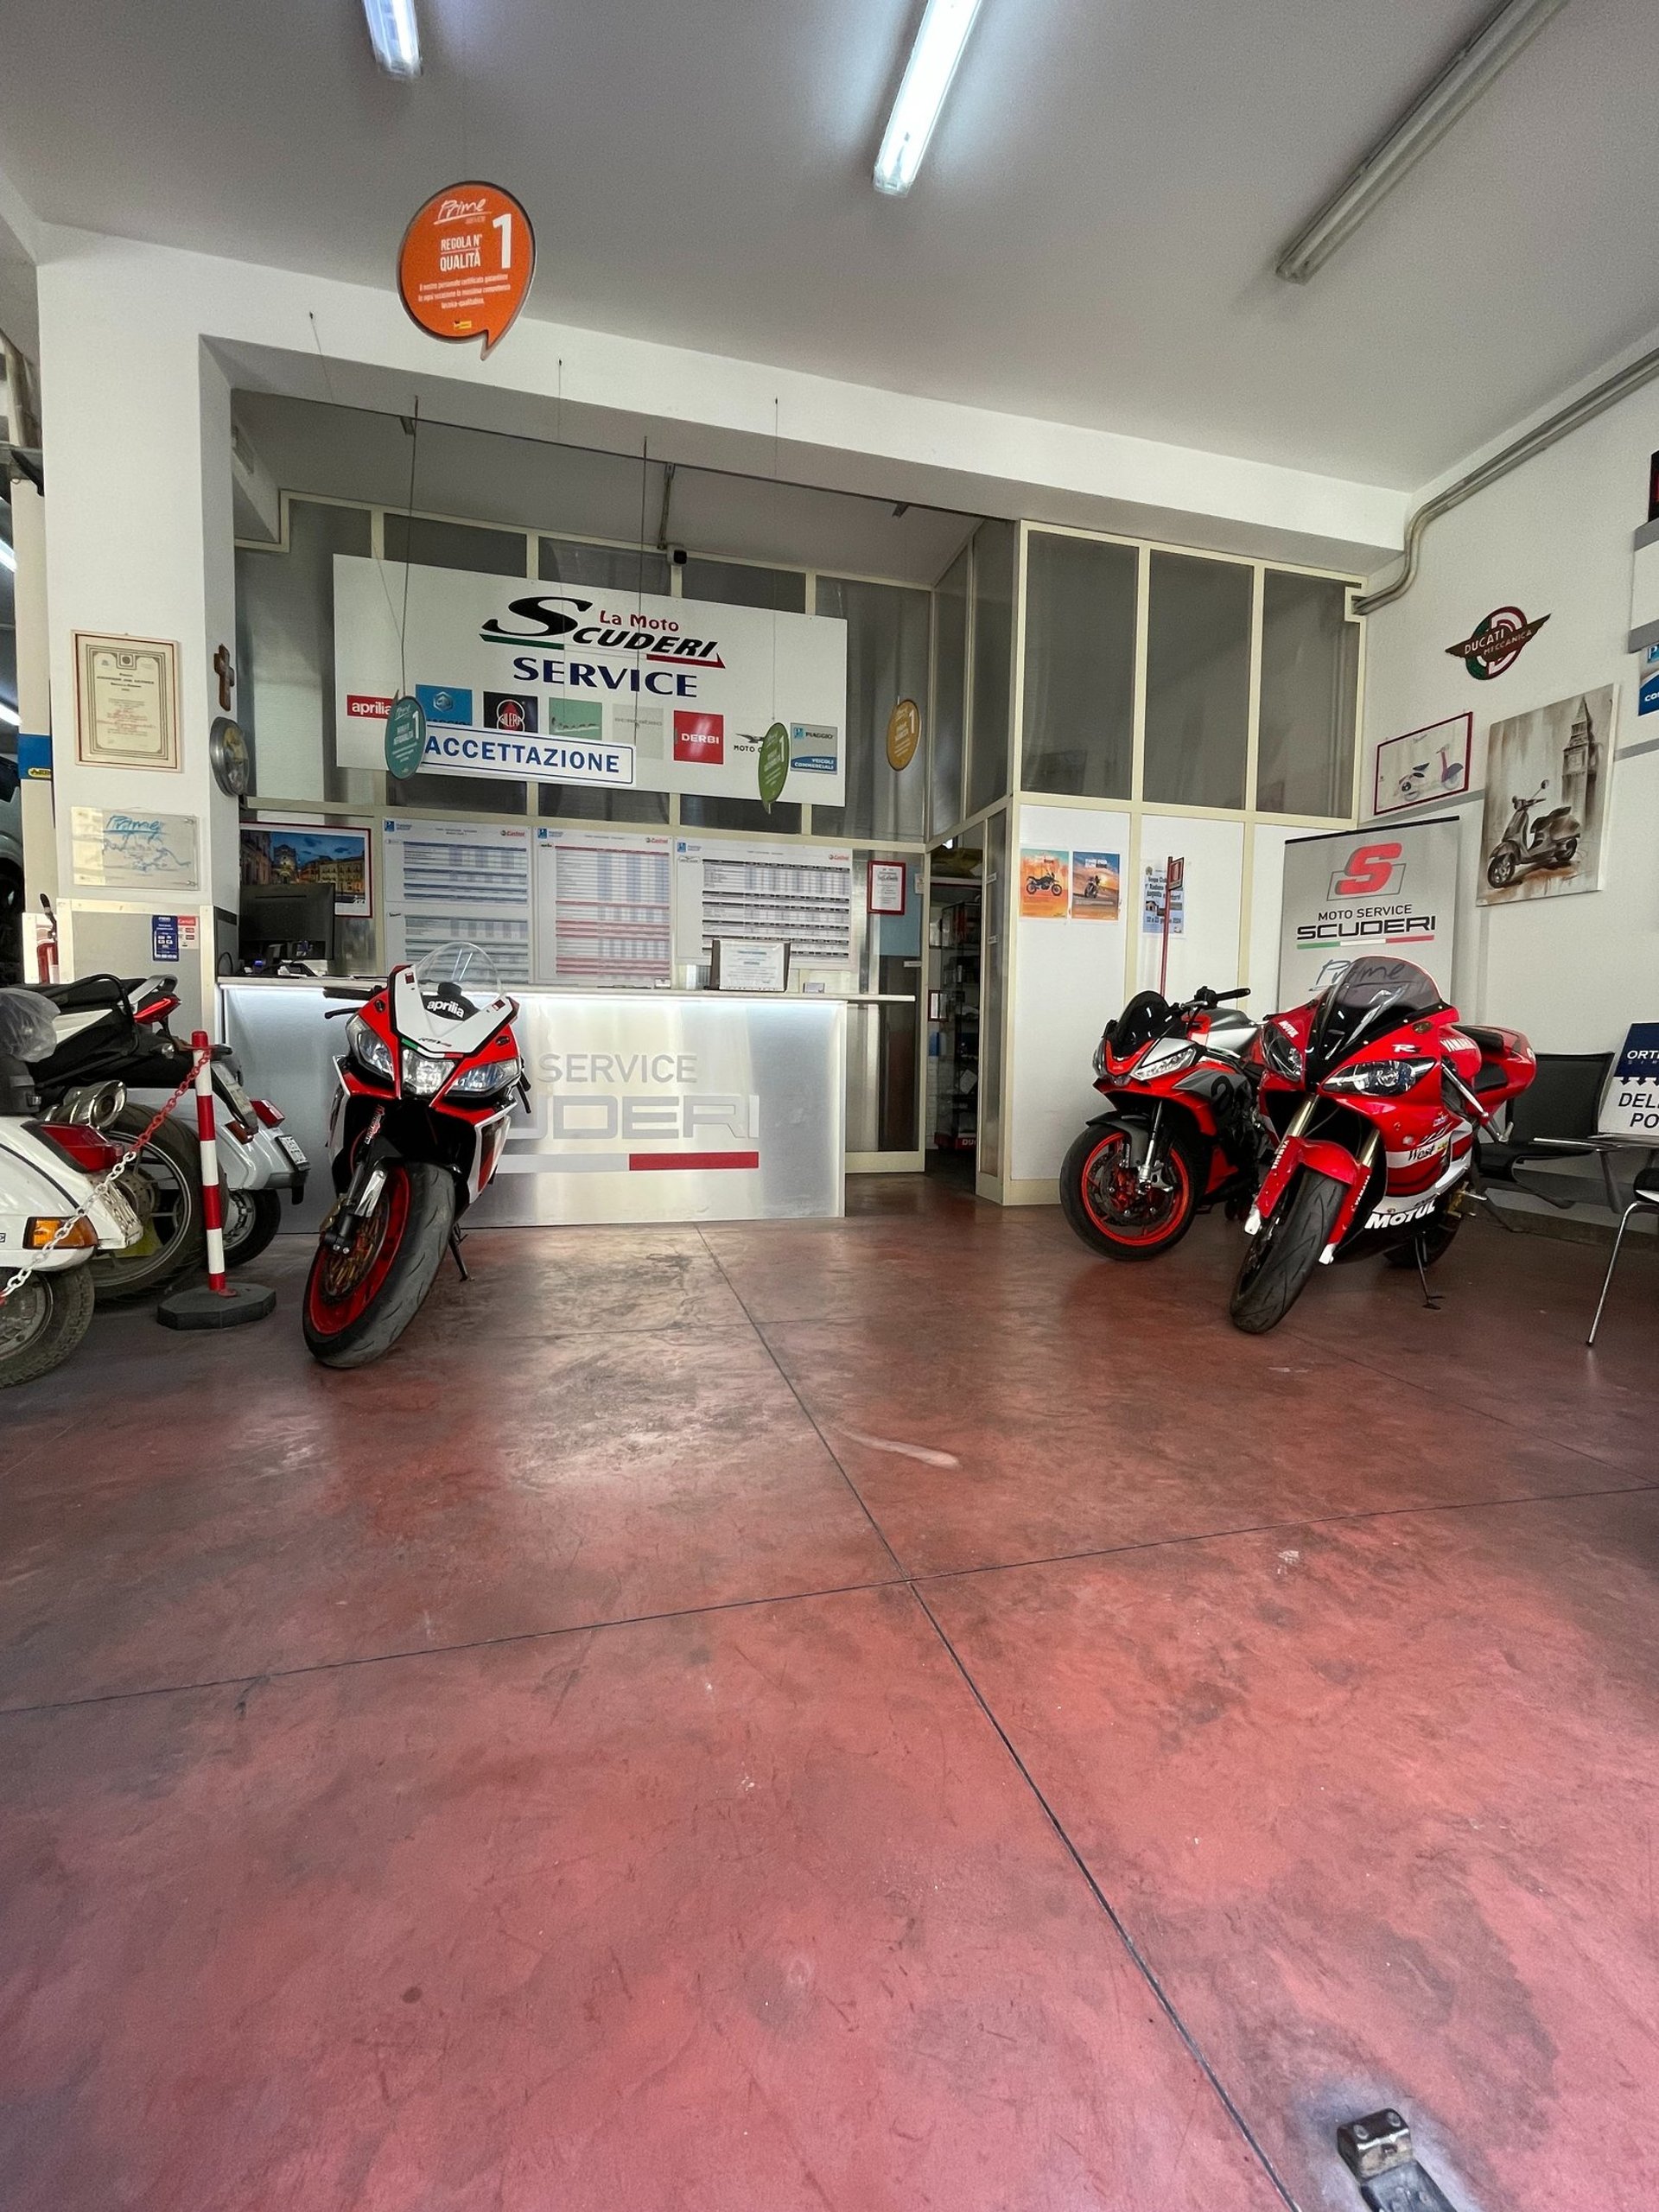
(904, 734)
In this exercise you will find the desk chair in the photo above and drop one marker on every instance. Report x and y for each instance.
(1644, 1192)
(1561, 1102)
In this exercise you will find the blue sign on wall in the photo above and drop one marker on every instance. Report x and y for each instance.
(1646, 694)
(164, 940)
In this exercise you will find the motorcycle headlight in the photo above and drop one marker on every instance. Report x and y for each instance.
(1380, 1078)
(423, 1075)
(488, 1076)
(1280, 1055)
(373, 1052)
(1167, 1058)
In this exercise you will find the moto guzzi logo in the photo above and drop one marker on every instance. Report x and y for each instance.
(1496, 641)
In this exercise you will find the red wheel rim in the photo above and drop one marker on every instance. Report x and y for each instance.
(1097, 1171)
(343, 1285)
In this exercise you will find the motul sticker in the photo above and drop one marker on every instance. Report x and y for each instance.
(1496, 641)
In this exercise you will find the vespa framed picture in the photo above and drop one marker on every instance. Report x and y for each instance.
(126, 702)
(1431, 763)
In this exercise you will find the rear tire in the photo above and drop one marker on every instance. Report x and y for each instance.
(168, 1203)
(1436, 1233)
(1117, 1226)
(251, 1220)
(42, 1324)
(1284, 1253)
(358, 1306)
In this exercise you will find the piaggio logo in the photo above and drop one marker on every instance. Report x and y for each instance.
(1495, 642)
(1369, 872)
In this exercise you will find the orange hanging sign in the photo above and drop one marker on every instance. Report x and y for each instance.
(466, 262)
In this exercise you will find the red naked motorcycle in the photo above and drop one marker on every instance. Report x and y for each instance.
(428, 1084)
(1180, 1132)
(1378, 1149)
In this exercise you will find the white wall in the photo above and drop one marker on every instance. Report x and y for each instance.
(1553, 539)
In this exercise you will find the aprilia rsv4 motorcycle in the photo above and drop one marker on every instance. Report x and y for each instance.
(1377, 1152)
(427, 1086)
(1180, 1132)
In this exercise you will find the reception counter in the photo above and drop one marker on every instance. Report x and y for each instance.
(645, 1105)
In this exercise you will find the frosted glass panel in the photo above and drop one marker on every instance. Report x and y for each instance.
(1079, 675)
(995, 549)
(285, 657)
(455, 545)
(734, 585)
(949, 697)
(1197, 681)
(1310, 680)
(887, 661)
(603, 568)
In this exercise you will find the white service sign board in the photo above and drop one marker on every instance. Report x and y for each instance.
(1629, 1104)
(543, 682)
(1384, 889)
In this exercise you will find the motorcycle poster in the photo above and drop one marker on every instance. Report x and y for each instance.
(1096, 881)
(1045, 886)
(1547, 774)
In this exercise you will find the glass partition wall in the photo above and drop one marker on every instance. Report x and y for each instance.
(1134, 686)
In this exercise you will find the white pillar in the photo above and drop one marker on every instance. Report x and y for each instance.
(34, 691)
(139, 543)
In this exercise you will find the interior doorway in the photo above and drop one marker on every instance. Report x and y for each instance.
(955, 933)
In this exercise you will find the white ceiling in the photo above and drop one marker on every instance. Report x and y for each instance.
(1092, 238)
(349, 453)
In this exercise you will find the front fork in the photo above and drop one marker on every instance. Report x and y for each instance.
(361, 1195)
(1149, 1175)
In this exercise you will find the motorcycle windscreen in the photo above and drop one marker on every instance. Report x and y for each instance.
(1374, 996)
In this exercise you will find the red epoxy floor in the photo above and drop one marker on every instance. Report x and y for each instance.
(579, 1764)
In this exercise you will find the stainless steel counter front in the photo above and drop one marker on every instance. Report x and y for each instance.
(645, 1105)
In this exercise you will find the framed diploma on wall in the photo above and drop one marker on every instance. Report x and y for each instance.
(126, 702)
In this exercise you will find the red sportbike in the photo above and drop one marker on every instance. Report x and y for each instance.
(427, 1087)
(1181, 1133)
(1378, 1149)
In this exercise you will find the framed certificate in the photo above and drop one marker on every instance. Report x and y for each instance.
(745, 964)
(126, 702)
(888, 882)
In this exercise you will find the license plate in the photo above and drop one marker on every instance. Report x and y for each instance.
(291, 1152)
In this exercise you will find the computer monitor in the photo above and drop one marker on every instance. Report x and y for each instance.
(296, 919)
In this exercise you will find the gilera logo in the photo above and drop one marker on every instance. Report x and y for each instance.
(1369, 871)
(1495, 642)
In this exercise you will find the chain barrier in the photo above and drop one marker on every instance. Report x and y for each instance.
(104, 1180)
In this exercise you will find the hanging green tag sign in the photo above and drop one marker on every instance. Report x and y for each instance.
(774, 764)
(405, 737)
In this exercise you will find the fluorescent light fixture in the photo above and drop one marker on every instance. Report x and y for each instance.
(944, 33)
(395, 36)
(1470, 71)
(9, 715)
(8, 558)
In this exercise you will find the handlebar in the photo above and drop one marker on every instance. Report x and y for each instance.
(358, 994)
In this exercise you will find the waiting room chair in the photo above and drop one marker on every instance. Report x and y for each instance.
(1561, 1101)
(1644, 1192)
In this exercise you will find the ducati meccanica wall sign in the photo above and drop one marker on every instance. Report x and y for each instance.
(466, 262)
(1495, 642)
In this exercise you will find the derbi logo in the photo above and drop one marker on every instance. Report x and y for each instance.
(1369, 871)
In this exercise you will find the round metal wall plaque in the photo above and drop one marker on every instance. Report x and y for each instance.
(228, 756)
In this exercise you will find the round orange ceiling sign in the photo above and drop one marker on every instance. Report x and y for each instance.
(466, 262)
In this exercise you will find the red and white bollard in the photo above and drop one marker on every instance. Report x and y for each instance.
(222, 1304)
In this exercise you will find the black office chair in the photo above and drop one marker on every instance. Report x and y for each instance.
(1644, 1192)
(1561, 1102)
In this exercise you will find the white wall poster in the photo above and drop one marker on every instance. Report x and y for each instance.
(466, 880)
(798, 895)
(1547, 774)
(604, 910)
(123, 850)
(1629, 1104)
(542, 682)
(1350, 892)
(1432, 763)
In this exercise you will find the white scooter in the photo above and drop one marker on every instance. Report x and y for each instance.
(57, 1205)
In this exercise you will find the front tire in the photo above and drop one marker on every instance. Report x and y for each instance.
(41, 1323)
(251, 1220)
(1500, 869)
(164, 1184)
(1101, 1197)
(358, 1303)
(1284, 1253)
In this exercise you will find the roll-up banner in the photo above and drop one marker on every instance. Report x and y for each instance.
(548, 682)
(1384, 889)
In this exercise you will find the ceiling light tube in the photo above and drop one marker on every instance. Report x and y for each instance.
(1469, 72)
(395, 36)
(8, 558)
(939, 42)
(9, 716)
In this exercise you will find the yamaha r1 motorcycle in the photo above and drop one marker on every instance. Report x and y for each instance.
(1181, 1131)
(1378, 1150)
(427, 1087)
